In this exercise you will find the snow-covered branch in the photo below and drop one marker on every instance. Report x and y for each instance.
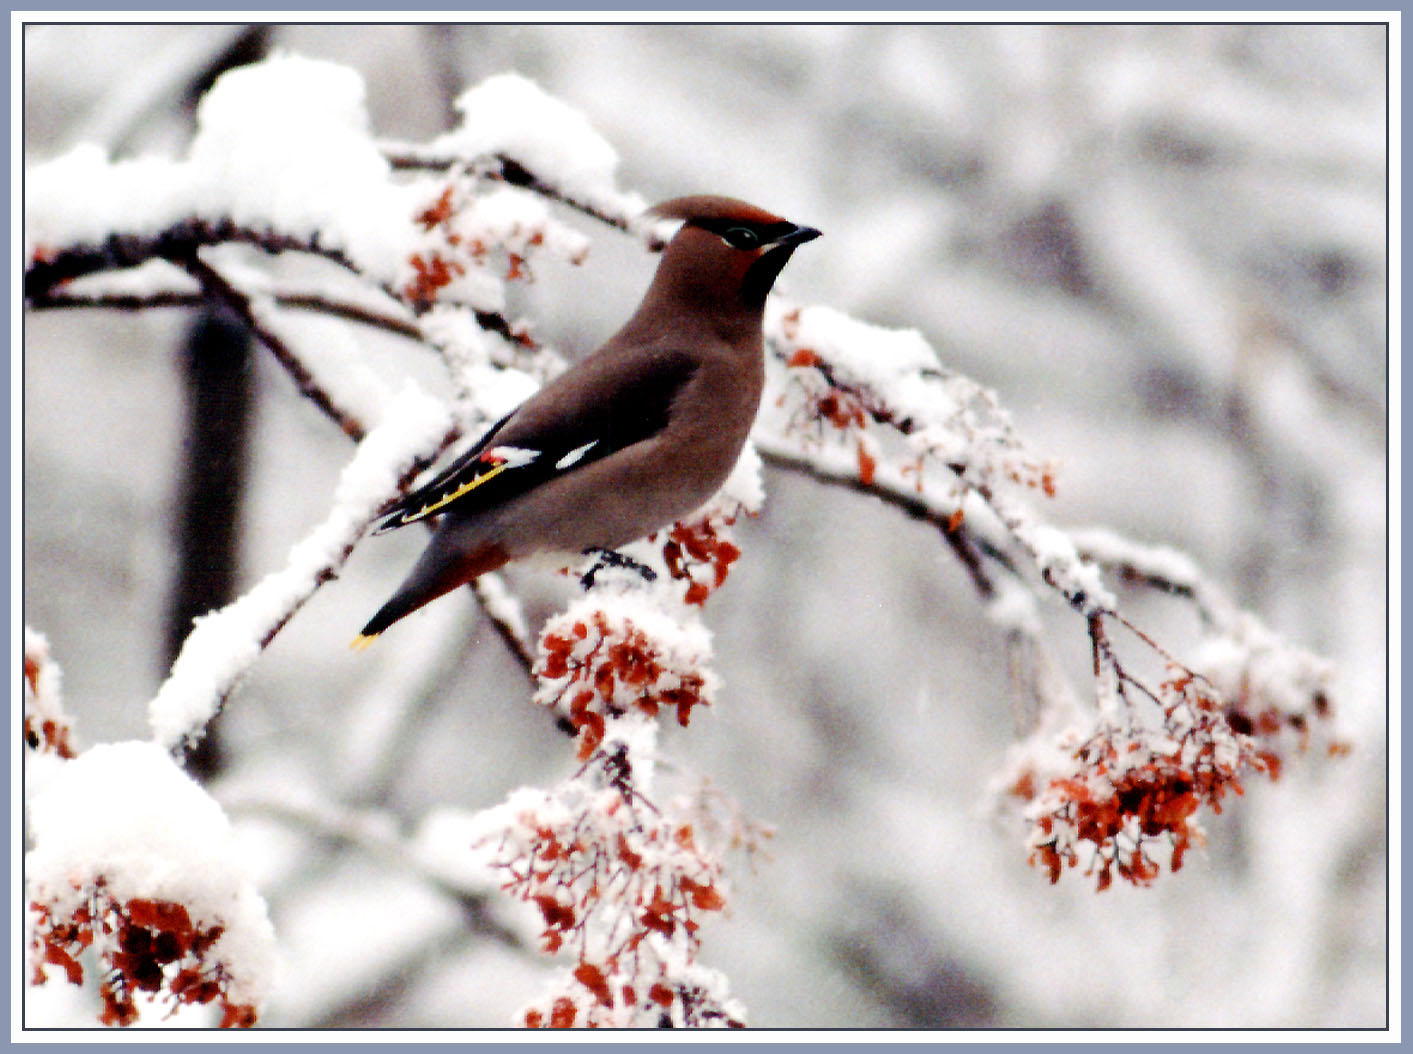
(223, 645)
(506, 169)
(871, 410)
(430, 236)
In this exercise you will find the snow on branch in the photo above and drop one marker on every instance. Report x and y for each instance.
(223, 645)
(512, 131)
(283, 161)
(1269, 684)
(850, 388)
(282, 152)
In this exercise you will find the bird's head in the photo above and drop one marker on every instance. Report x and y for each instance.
(727, 251)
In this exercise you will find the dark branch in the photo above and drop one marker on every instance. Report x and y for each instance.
(967, 545)
(317, 302)
(218, 288)
(46, 275)
(178, 242)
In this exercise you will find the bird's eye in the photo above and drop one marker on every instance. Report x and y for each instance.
(741, 238)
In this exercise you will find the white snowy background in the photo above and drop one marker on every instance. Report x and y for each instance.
(1163, 247)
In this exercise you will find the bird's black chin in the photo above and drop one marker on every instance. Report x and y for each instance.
(762, 274)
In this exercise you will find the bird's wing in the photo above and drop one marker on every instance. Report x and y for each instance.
(565, 426)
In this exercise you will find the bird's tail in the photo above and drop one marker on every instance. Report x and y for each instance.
(438, 572)
(401, 604)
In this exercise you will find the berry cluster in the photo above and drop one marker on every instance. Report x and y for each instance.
(603, 665)
(47, 729)
(897, 407)
(143, 945)
(619, 887)
(464, 234)
(1131, 799)
(698, 553)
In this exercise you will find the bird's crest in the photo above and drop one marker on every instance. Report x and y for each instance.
(712, 207)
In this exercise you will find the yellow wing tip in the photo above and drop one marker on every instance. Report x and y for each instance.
(362, 641)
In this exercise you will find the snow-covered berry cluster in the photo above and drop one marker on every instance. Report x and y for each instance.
(1125, 798)
(885, 393)
(620, 886)
(1273, 690)
(141, 946)
(607, 656)
(150, 891)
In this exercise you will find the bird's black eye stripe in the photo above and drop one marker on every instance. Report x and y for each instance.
(740, 234)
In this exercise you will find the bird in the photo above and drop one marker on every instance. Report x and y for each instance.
(633, 437)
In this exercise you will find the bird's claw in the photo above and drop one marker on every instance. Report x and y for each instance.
(612, 558)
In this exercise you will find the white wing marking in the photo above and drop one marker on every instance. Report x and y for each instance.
(573, 457)
(512, 456)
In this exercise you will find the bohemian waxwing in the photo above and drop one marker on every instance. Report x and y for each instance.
(637, 435)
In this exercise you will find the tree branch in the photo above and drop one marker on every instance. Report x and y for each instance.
(966, 544)
(367, 833)
(49, 271)
(315, 302)
(220, 289)
(509, 633)
(53, 266)
(504, 169)
(219, 650)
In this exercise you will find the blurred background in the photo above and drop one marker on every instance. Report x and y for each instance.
(1164, 247)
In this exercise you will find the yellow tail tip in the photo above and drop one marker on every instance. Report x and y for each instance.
(362, 641)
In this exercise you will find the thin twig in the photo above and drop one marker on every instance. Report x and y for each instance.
(365, 832)
(509, 635)
(45, 276)
(967, 545)
(219, 288)
(505, 169)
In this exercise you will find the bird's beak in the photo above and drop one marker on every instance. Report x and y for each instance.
(798, 236)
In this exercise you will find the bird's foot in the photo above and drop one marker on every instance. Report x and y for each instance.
(612, 558)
